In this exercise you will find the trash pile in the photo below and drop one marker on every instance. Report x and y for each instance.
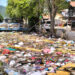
(3, 25)
(23, 54)
(13, 25)
(9, 25)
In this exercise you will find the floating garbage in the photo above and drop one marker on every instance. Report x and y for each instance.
(26, 54)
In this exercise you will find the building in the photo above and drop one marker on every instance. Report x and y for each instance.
(72, 14)
(72, 10)
(58, 19)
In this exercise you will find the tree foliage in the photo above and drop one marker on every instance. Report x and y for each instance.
(1, 18)
(24, 8)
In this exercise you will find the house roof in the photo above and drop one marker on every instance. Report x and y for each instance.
(72, 3)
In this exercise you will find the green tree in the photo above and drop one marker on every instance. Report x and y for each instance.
(55, 6)
(1, 18)
(24, 8)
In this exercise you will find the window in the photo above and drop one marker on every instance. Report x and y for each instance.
(73, 24)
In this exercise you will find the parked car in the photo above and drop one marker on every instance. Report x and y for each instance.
(46, 24)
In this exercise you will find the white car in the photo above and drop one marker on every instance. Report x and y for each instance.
(47, 24)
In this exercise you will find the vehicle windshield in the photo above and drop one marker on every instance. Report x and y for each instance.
(48, 22)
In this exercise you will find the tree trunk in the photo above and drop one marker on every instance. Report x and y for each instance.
(52, 25)
(52, 15)
(52, 9)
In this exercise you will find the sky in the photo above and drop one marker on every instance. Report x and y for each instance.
(3, 2)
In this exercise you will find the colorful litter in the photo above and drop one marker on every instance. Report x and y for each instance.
(22, 54)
